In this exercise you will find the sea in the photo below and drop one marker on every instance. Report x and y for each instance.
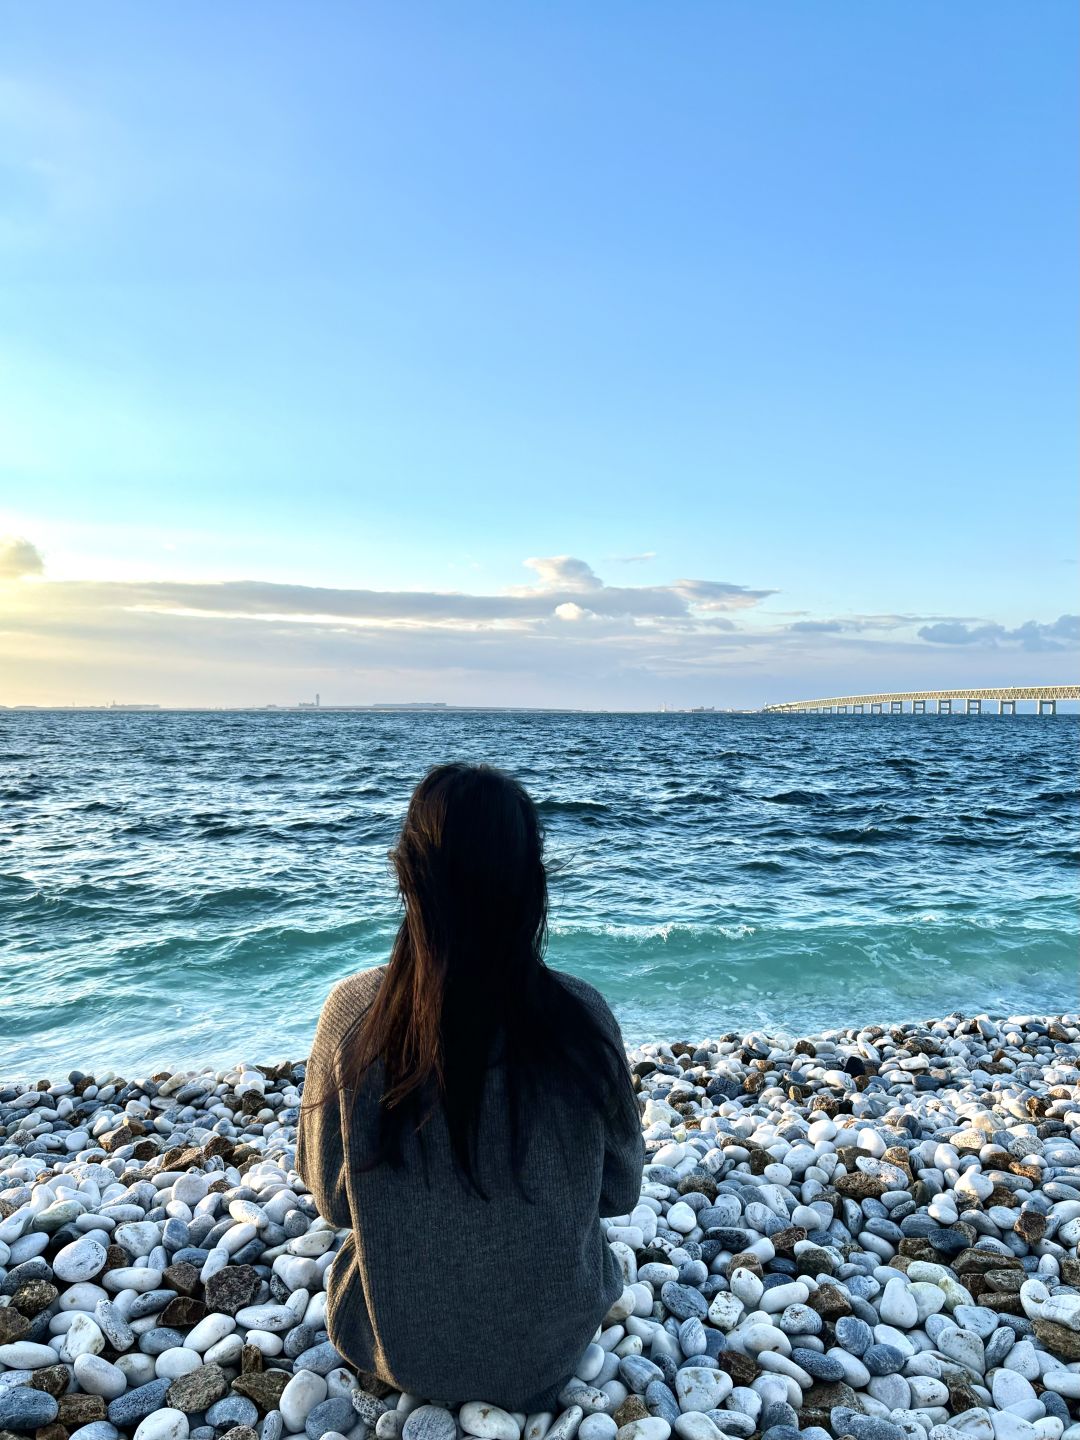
(183, 888)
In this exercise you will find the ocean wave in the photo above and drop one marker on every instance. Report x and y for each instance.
(704, 875)
(552, 806)
(797, 797)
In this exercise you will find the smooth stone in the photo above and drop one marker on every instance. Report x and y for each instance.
(234, 1410)
(23, 1408)
(977, 1318)
(725, 1311)
(854, 1334)
(134, 1405)
(883, 1359)
(638, 1372)
(821, 1367)
(98, 1377)
(266, 1317)
(320, 1358)
(96, 1430)
(487, 1422)
(209, 1331)
(333, 1414)
(1008, 1388)
(80, 1260)
(27, 1355)
(83, 1337)
(965, 1347)
(699, 1388)
(660, 1401)
(429, 1422)
(683, 1301)
(649, 1428)
(176, 1362)
(898, 1306)
(164, 1424)
(845, 1421)
(303, 1392)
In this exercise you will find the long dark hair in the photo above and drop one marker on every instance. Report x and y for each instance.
(466, 986)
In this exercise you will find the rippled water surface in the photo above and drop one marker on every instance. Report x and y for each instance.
(181, 888)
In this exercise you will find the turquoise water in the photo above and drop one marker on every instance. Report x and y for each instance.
(184, 888)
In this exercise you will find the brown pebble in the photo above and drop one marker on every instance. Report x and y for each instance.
(182, 1277)
(198, 1389)
(741, 1368)
(232, 1288)
(116, 1258)
(631, 1409)
(745, 1260)
(1030, 1226)
(1059, 1340)
(13, 1324)
(34, 1296)
(76, 1410)
(784, 1241)
(183, 1311)
(53, 1379)
(263, 1387)
(860, 1186)
(251, 1360)
(829, 1302)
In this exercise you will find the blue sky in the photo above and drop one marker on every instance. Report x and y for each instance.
(394, 298)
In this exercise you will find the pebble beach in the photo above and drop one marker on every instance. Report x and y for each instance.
(864, 1232)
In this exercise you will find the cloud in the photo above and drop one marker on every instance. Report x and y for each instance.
(569, 589)
(19, 557)
(562, 571)
(570, 639)
(1060, 634)
(719, 594)
(634, 559)
(816, 627)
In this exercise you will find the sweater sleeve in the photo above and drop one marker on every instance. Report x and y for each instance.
(320, 1150)
(624, 1144)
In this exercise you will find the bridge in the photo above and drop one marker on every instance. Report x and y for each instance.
(893, 702)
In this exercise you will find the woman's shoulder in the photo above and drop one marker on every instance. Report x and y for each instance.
(588, 994)
(348, 1001)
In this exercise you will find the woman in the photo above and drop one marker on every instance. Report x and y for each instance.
(469, 1115)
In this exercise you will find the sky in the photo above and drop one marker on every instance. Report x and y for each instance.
(601, 355)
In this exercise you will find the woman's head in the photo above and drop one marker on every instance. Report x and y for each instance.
(466, 987)
(470, 868)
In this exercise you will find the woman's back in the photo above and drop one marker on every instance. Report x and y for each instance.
(437, 1290)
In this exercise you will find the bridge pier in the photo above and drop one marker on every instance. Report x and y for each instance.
(896, 707)
(876, 708)
(974, 707)
(1047, 707)
(944, 707)
(858, 709)
(1006, 707)
(841, 709)
(918, 707)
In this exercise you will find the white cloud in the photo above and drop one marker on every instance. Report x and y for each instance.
(18, 557)
(1060, 634)
(559, 572)
(570, 640)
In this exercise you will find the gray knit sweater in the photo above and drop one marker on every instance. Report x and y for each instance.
(441, 1293)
